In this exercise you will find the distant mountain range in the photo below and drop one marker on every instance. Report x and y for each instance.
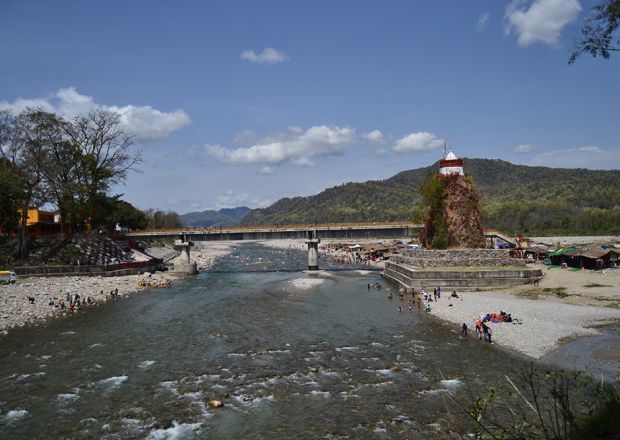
(223, 217)
(516, 199)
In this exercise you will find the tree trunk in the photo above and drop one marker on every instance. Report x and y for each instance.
(22, 246)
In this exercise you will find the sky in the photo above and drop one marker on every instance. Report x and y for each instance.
(244, 102)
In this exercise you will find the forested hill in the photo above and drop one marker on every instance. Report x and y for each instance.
(516, 199)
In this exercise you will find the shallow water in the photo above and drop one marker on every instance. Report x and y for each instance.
(287, 362)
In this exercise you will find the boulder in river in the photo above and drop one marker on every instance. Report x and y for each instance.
(215, 404)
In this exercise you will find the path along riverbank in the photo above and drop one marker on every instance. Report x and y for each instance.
(17, 310)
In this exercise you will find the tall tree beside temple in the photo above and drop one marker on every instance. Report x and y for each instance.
(451, 204)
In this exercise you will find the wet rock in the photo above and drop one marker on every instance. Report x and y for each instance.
(215, 404)
(395, 367)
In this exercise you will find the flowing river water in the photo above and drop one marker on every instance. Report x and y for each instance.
(287, 361)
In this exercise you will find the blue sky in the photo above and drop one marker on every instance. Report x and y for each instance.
(242, 103)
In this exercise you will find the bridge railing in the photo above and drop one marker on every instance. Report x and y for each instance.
(218, 229)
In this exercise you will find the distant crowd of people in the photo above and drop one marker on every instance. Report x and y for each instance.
(423, 300)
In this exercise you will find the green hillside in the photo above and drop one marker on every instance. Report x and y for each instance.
(515, 198)
(223, 217)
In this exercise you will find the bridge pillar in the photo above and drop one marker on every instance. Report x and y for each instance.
(185, 264)
(312, 240)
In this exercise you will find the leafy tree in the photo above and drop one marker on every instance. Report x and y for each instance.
(105, 155)
(598, 31)
(11, 196)
(26, 151)
(158, 219)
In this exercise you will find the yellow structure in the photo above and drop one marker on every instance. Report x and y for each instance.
(36, 215)
(40, 222)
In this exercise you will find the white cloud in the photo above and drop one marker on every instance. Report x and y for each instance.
(266, 170)
(591, 157)
(268, 56)
(523, 148)
(374, 136)
(417, 142)
(540, 21)
(234, 200)
(295, 148)
(482, 21)
(144, 122)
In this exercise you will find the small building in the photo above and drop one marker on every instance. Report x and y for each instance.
(451, 164)
(40, 222)
(595, 257)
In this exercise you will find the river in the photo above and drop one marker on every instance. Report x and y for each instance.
(287, 361)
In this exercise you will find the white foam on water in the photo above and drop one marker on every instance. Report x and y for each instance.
(68, 333)
(146, 364)
(377, 344)
(66, 399)
(112, 382)
(45, 357)
(306, 283)
(328, 373)
(380, 372)
(218, 387)
(170, 385)
(340, 349)
(431, 392)
(236, 355)
(95, 345)
(192, 396)
(363, 272)
(15, 415)
(398, 336)
(278, 351)
(249, 400)
(450, 383)
(324, 394)
(387, 384)
(176, 432)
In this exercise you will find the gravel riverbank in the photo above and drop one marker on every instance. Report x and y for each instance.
(16, 310)
(542, 323)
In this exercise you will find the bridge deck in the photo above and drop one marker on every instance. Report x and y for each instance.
(332, 230)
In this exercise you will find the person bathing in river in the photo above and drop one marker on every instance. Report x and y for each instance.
(464, 330)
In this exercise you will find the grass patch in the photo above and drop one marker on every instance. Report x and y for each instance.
(530, 293)
(597, 285)
(560, 292)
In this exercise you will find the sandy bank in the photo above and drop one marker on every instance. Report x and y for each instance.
(543, 322)
(581, 287)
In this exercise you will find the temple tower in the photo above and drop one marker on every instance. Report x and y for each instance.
(451, 164)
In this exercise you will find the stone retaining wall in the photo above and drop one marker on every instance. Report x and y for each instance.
(409, 277)
(458, 257)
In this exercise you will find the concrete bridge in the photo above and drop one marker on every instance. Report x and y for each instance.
(312, 233)
(328, 230)
(184, 238)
